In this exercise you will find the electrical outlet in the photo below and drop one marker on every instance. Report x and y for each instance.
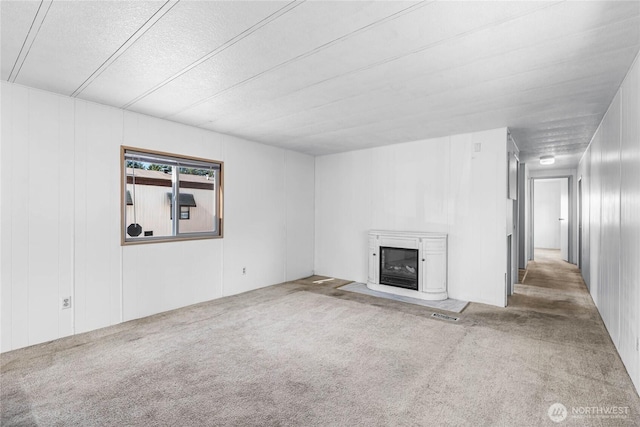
(244, 271)
(65, 303)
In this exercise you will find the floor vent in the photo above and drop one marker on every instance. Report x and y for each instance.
(444, 317)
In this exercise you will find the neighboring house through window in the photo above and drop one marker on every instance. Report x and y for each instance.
(152, 181)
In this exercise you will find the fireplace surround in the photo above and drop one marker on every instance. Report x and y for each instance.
(412, 264)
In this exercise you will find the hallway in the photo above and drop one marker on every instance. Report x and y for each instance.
(556, 347)
(584, 369)
(549, 270)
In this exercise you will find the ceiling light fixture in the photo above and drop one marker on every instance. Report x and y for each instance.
(547, 160)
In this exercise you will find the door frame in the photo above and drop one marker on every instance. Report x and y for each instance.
(580, 219)
(510, 280)
(570, 223)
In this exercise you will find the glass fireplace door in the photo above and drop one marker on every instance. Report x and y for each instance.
(399, 267)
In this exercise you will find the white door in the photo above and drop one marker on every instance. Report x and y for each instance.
(564, 219)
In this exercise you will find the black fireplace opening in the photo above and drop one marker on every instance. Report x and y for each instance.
(399, 267)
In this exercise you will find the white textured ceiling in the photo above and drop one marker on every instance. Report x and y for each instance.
(326, 76)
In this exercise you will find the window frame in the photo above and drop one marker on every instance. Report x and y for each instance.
(175, 189)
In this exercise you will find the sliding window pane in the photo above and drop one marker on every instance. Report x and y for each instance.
(148, 212)
(198, 199)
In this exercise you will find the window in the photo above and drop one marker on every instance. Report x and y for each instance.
(153, 181)
(184, 212)
(186, 201)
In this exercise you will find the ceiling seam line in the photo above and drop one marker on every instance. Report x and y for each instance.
(24, 43)
(315, 107)
(482, 28)
(232, 41)
(511, 75)
(584, 116)
(545, 138)
(350, 128)
(462, 115)
(494, 98)
(553, 150)
(485, 58)
(308, 53)
(405, 116)
(126, 45)
(434, 73)
(389, 60)
(426, 47)
(558, 144)
(32, 40)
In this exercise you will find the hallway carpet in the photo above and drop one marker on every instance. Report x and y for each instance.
(306, 354)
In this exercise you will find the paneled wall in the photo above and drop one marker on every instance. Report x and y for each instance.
(595, 199)
(97, 287)
(60, 219)
(299, 213)
(189, 271)
(629, 341)
(610, 171)
(37, 216)
(609, 269)
(454, 184)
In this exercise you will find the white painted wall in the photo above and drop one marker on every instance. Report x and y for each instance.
(628, 305)
(300, 214)
(546, 211)
(60, 219)
(439, 185)
(160, 277)
(97, 265)
(610, 170)
(37, 216)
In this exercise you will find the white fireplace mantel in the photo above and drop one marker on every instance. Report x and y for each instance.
(432, 262)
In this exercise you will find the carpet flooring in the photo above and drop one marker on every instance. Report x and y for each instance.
(305, 354)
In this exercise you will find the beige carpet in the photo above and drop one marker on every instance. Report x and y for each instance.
(304, 354)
